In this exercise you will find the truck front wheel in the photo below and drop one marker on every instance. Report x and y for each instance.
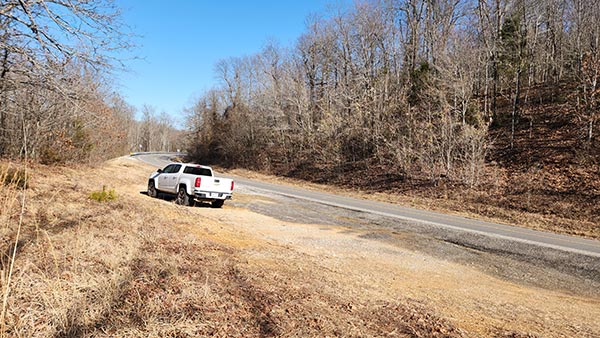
(152, 189)
(183, 198)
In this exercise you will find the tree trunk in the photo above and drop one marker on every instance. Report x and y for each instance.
(590, 133)
(515, 110)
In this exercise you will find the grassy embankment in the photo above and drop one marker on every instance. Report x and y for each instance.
(136, 266)
(141, 267)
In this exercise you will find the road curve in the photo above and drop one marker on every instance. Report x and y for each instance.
(582, 246)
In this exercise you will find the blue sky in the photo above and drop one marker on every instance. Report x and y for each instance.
(181, 41)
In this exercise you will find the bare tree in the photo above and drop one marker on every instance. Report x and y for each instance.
(56, 51)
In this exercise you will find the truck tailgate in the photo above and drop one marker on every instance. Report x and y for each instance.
(216, 184)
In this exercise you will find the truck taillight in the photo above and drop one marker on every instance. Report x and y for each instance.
(198, 181)
(231, 185)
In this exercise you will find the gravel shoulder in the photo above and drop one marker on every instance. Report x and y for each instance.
(377, 265)
(484, 287)
(517, 262)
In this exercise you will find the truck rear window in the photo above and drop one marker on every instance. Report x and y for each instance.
(197, 171)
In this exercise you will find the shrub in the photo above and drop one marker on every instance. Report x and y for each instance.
(50, 156)
(14, 177)
(104, 196)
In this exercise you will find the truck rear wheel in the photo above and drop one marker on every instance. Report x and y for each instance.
(183, 198)
(217, 203)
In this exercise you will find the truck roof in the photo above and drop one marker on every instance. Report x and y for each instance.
(196, 165)
(192, 165)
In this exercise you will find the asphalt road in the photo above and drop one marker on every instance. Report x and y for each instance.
(458, 226)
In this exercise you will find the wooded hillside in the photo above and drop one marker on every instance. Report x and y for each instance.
(485, 95)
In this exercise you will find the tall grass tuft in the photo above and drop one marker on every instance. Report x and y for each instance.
(14, 177)
(13, 180)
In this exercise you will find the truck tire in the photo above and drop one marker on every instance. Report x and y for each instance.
(183, 198)
(217, 203)
(152, 190)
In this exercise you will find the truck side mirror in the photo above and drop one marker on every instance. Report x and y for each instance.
(159, 171)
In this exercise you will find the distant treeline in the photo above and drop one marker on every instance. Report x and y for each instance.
(410, 86)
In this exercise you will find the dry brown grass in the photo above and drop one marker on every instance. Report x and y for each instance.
(14, 182)
(148, 268)
(142, 267)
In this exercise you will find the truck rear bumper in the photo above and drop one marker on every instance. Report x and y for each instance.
(211, 196)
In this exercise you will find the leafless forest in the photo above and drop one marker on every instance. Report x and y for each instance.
(412, 87)
(56, 100)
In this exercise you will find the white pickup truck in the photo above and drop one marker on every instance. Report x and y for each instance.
(190, 183)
